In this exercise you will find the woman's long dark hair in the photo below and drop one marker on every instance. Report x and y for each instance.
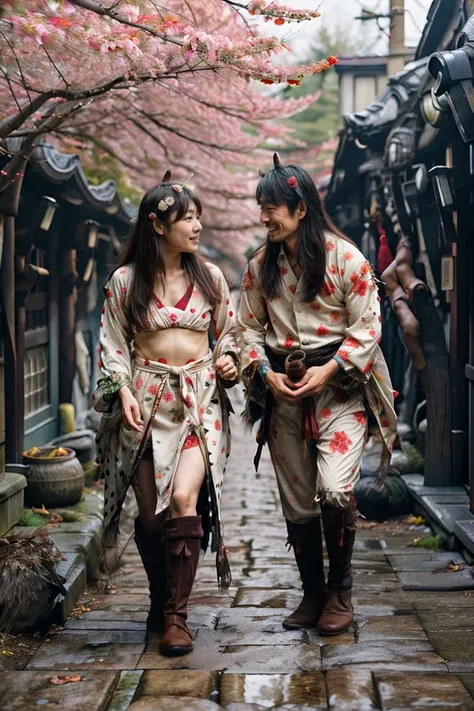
(274, 189)
(143, 249)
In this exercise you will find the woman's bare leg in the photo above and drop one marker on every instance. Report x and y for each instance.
(187, 483)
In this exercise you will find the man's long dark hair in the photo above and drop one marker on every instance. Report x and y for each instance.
(274, 189)
(143, 249)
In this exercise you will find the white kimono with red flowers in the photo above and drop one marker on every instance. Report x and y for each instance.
(192, 407)
(346, 312)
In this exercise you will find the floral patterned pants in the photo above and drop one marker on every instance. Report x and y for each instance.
(308, 473)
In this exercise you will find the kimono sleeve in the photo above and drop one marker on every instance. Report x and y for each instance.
(364, 328)
(251, 325)
(224, 321)
(115, 339)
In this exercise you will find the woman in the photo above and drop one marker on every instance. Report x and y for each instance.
(167, 432)
(309, 292)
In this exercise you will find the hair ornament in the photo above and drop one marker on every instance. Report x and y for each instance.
(177, 188)
(163, 205)
(152, 215)
(292, 182)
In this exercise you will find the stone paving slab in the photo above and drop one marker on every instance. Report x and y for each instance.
(195, 684)
(404, 627)
(452, 618)
(274, 690)
(90, 649)
(442, 692)
(27, 690)
(405, 654)
(171, 703)
(440, 600)
(245, 659)
(351, 690)
(424, 562)
(125, 690)
(462, 580)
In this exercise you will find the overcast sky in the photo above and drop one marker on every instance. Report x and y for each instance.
(335, 13)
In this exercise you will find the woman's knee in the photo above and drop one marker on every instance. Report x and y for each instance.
(183, 502)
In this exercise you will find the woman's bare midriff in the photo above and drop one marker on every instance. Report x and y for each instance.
(177, 346)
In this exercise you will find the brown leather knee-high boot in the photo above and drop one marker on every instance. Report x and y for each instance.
(151, 549)
(182, 539)
(339, 531)
(306, 540)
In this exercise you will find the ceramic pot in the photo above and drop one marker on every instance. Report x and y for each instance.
(53, 482)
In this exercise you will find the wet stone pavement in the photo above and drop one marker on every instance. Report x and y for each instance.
(408, 649)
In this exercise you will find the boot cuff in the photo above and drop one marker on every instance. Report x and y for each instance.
(183, 527)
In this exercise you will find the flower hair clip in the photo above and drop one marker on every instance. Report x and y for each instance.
(177, 188)
(163, 205)
(292, 182)
(152, 215)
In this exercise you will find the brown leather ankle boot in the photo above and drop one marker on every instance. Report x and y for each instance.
(339, 531)
(151, 549)
(306, 540)
(182, 538)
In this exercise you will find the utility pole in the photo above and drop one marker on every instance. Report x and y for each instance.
(396, 15)
(396, 54)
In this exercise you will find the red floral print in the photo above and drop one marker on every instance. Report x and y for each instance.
(162, 360)
(295, 479)
(335, 316)
(315, 306)
(203, 315)
(119, 352)
(173, 318)
(193, 311)
(326, 412)
(365, 269)
(168, 397)
(191, 440)
(138, 383)
(293, 289)
(123, 289)
(289, 341)
(351, 343)
(160, 475)
(333, 269)
(360, 287)
(322, 330)
(340, 443)
(227, 302)
(253, 354)
(361, 417)
(153, 389)
(188, 381)
(330, 246)
(247, 281)
(344, 355)
(348, 256)
(328, 288)
(188, 401)
(251, 315)
(217, 425)
(368, 367)
(231, 313)
(283, 271)
(146, 362)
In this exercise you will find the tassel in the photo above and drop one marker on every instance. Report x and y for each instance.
(384, 257)
(383, 468)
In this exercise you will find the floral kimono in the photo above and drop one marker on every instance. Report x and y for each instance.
(343, 322)
(181, 406)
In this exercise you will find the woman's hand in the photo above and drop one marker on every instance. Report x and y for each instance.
(226, 368)
(130, 410)
(315, 380)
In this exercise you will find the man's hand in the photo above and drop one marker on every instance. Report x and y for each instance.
(280, 385)
(130, 410)
(315, 380)
(226, 368)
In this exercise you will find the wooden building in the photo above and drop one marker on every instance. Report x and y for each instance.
(402, 188)
(67, 234)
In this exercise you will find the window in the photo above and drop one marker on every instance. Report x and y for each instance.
(36, 379)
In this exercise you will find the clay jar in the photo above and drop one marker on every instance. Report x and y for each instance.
(295, 366)
(53, 482)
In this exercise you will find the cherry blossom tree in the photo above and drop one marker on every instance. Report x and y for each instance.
(153, 87)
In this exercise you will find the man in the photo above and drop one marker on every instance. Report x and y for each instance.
(309, 288)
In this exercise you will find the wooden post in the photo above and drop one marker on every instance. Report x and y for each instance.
(396, 54)
(67, 323)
